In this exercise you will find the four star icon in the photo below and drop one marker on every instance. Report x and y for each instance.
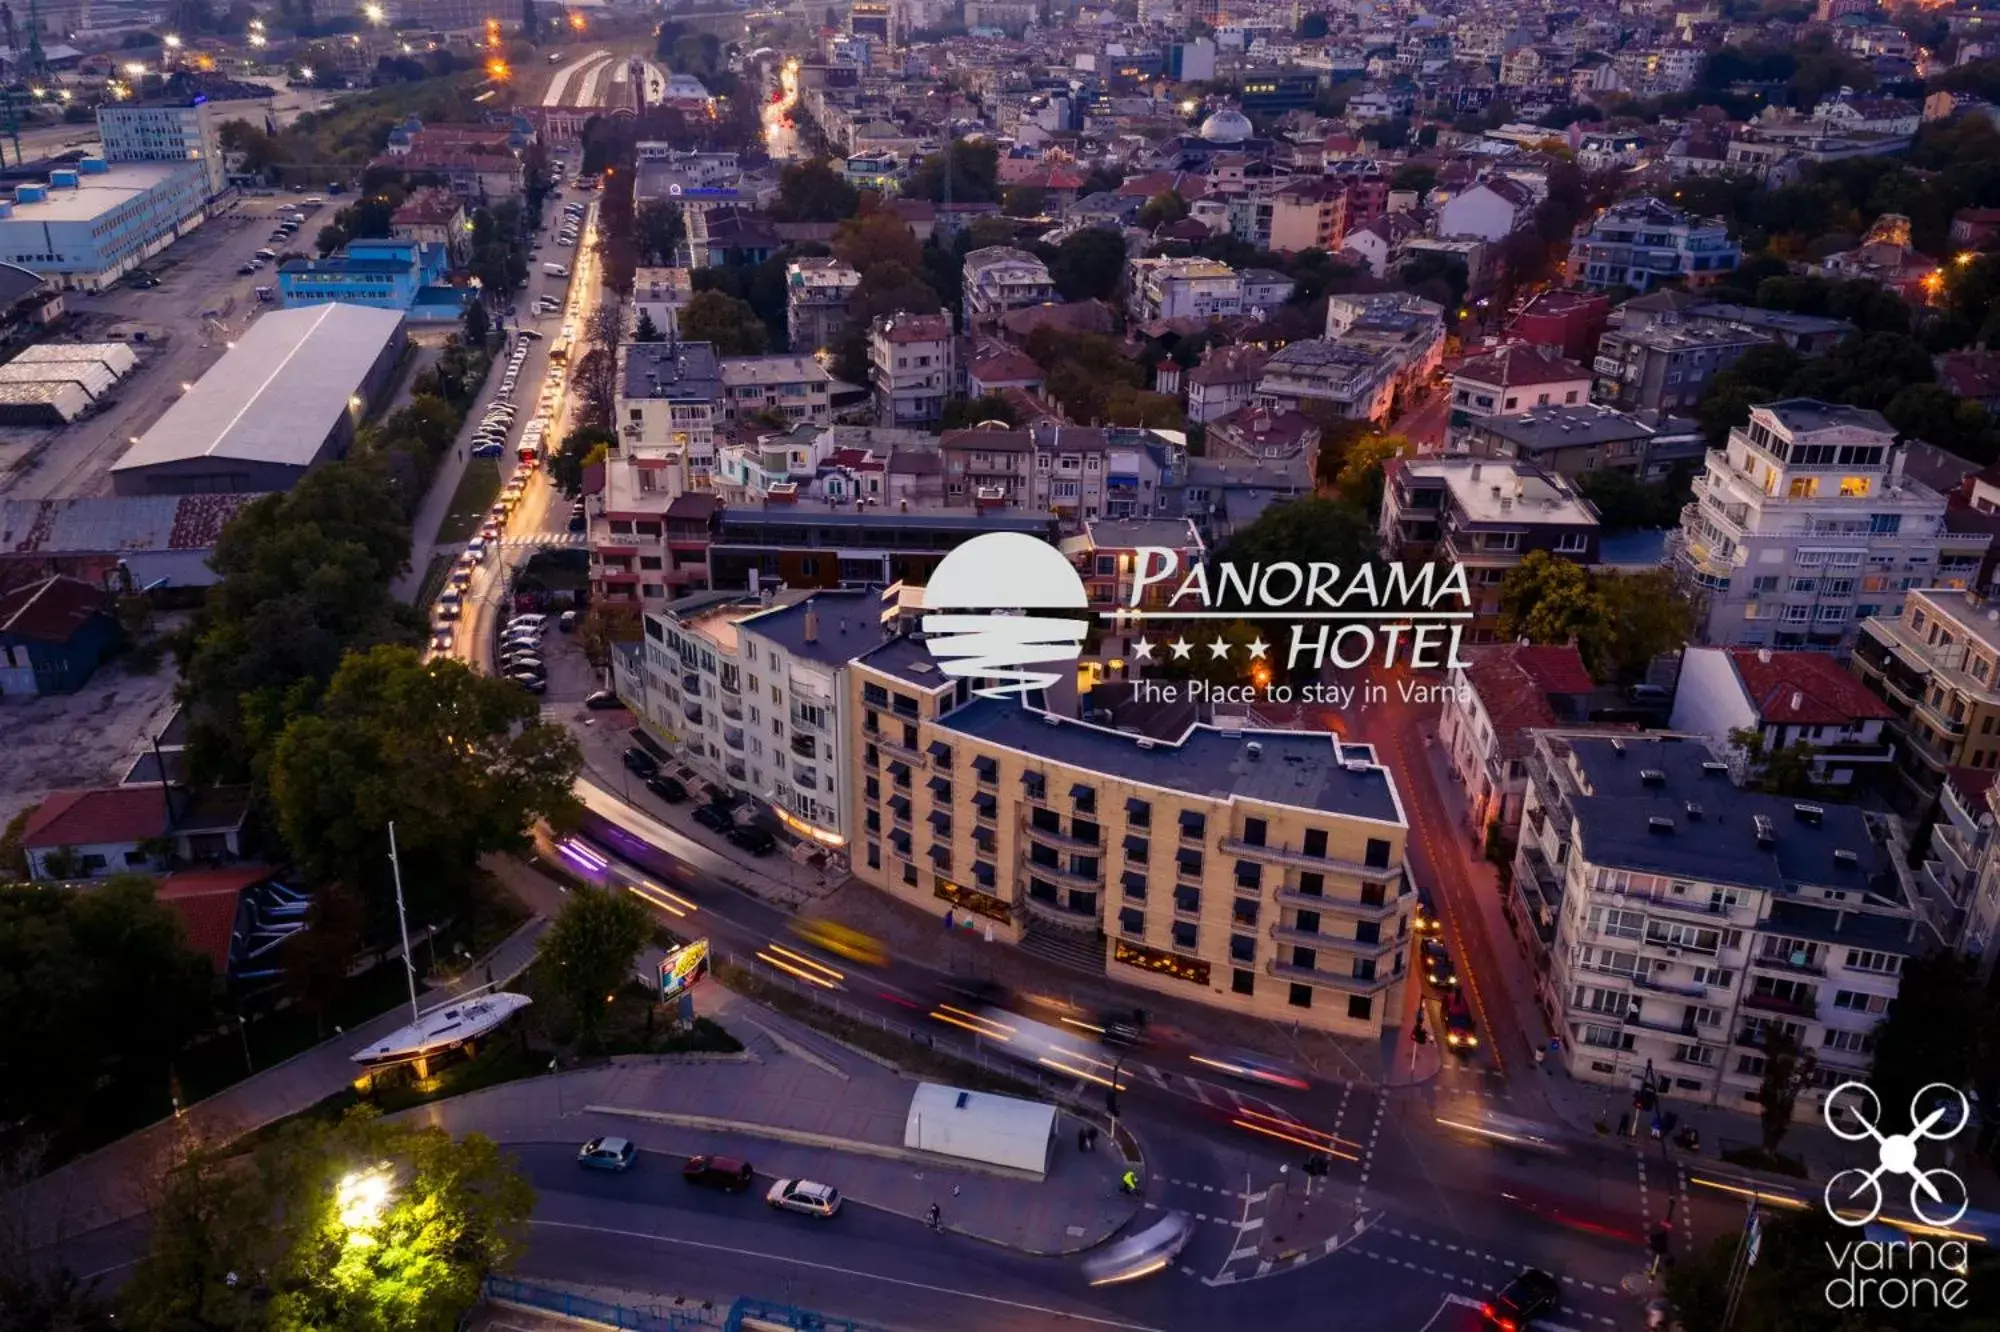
(1219, 649)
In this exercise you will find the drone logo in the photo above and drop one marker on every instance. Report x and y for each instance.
(1854, 1196)
(991, 575)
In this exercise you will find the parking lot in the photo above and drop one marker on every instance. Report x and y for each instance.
(179, 329)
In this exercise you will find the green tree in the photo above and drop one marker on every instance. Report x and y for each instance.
(1418, 176)
(566, 464)
(476, 324)
(1787, 1070)
(1786, 771)
(730, 324)
(1163, 209)
(460, 762)
(814, 191)
(657, 231)
(645, 330)
(1624, 503)
(1089, 264)
(871, 239)
(1359, 480)
(1309, 530)
(1549, 600)
(961, 413)
(1940, 1029)
(1026, 201)
(972, 169)
(330, 238)
(1650, 616)
(55, 1299)
(589, 952)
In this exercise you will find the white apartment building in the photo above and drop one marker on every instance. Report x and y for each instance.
(910, 364)
(1679, 922)
(1805, 525)
(660, 294)
(1359, 384)
(794, 388)
(1182, 289)
(669, 403)
(164, 132)
(750, 691)
(1000, 278)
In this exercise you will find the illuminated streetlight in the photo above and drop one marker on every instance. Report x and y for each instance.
(258, 39)
(362, 1196)
(173, 41)
(1963, 258)
(306, 73)
(497, 70)
(374, 13)
(136, 70)
(577, 22)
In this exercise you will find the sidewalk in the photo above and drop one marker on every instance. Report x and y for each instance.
(118, 1180)
(793, 1118)
(444, 484)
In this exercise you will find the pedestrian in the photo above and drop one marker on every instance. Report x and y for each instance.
(1083, 1139)
(954, 1190)
(949, 923)
(1129, 1182)
(933, 1219)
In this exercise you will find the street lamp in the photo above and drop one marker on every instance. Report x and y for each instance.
(374, 13)
(172, 40)
(362, 1196)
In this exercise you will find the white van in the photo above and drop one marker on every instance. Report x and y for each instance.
(555, 270)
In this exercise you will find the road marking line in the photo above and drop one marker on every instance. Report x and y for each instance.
(846, 1271)
(1254, 1223)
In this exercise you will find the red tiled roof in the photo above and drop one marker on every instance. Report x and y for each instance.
(1557, 670)
(111, 814)
(1803, 689)
(1513, 694)
(1520, 365)
(206, 900)
(51, 611)
(1004, 366)
(1970, 374)
(1971, 782)
(917, 328)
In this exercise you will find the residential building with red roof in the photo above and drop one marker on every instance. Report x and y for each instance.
(217, 911)
(1787, 698)
(1518, 378)
(98, 832)
(1506, 692)
(1567, 323)
(53, 634)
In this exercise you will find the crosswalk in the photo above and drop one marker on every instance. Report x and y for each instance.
(528, 539)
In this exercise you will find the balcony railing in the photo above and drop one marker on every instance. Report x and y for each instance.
(1287, 934)
(1782, 962)
(1346, 907)
(1060, 913)
(1061, 840)
(1346, 983)
(1062, 874)
(1286, 855)
(804, 746)
(732, 707)
(1771, 1003)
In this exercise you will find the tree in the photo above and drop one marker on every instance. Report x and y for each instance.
(1650, 616)
(460, 762)
(871, 239)
(972, 170)
(1787, 771)
(657, 231)
(1089, 264)
(1163, 209)
(1418, 176)
(645, 330)
(814, 192)
(578, 449)
(1549, 600)
(1940, 1029)
(54, 1299)
(961, 413)
(477, 325)
(589, 952)
(730, 324)
(1311, 530)
(1359, 481)
(1624, 503)
(1026, 201)
(317, 959)
(1787, 1070)
(330, 238)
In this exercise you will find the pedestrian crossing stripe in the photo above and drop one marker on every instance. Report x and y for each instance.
(542, 539)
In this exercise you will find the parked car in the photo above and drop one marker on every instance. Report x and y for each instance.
(640, 762)
(667, 788)
(713, 817)
(802, 1195)
(1532, 1294)
(607, 1154)
(603, 699)
(567, 622)
(491, 448)
(757, 841)
(527, 620)
(726, 1173)
(534, 684)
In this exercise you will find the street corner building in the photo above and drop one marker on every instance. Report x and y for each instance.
(1258, 871)
(286, 398)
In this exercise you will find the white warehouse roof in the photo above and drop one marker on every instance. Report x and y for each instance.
(116, 356)
(92, 376)
(981, 1126)
(277, 396)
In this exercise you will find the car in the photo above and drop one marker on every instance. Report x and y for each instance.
(802, 1195)
(491, 448)
(144, 281)
(1438, 969)
(726, 1173)
(245, 270)
(516, 665)
(1650, 693)
(1427, 921)
(567, 623)
(603, 699)
(667, 788)
(757, 841)
(714, 817)
(1460, 1036)
(534, 684)
(640, 762)
(607, 1154)
(1142, 1254)
(1532, 1294)
(529, 333)
(266, 254)
(577, 522)
(527, 618)
(521, 640)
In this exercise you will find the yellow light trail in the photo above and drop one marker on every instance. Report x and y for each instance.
(805, 961)
(651, 893)
(1288, 1130)
(1778, 1199)
(1085, 1074)
(800, 972)
(972, 1022)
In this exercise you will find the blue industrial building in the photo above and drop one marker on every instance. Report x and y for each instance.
(400, 275)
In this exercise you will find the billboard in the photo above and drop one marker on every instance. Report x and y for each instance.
(683, 969)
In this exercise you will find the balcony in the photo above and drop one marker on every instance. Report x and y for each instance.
(1060, 913)
(732, 707)
(1345, 907)
(1684, 1027)
(734, 770)
(733, 737)
(805, 747)
(1346, 984)
(1287, 934)
(897, 747)
(805, 778)
(1061, 841)
(1062, 874)
(1771, 1003)
(1285, 855)
(1646, 980)
(803, 721)
(691, 681)
(1783, 962)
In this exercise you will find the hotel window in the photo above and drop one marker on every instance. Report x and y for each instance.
(1854, 487)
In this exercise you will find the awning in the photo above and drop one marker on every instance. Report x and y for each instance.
(984, 836)
(984, 802)
(1138, 809)
(940, 854)
(1082, 793)
(1135, 883)
(940, 818)
(1249, 873)
(1191, 821)
(938, 749)
(901, 804)
(1136, 847)
(985, 767)
(900, 770)
(900, 839)
(1189, 858)
(940, 786)
(982, 872)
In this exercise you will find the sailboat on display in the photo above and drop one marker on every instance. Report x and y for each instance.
(448, 1025)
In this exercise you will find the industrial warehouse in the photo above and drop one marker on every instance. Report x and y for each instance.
(286, 398)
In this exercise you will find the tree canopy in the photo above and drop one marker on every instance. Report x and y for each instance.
(1089, 264)
(813, 191)
(972, 170)
(734, 328)
(589, 952)
(1620, 622)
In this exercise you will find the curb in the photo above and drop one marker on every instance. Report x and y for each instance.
(793, 1048)
(804, 1138)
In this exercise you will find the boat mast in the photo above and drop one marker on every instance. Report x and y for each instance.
(403, 925)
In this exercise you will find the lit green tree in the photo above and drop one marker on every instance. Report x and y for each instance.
(588, 953)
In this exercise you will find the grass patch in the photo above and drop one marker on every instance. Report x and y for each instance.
(477, 490)
(433, 584)
(926, 1061)
(1756, 1158)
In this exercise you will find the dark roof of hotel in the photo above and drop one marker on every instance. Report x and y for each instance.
(849, 625)
(1300, 769)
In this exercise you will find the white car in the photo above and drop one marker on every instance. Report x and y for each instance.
(802, 1195)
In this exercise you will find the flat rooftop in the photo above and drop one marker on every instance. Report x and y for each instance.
(1299, 769)
(847, 624)
(97, 193)
(674, 371)
(1557, 427)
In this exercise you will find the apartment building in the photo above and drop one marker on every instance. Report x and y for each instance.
(1786, 699)
(999, 278)
(1498, 700)
(1958, 888)
(910, 364)
(1678, 922)
(1225, 380)
(1587, 438)
(1936, 665)
(1302, 215)
(1358, 385)
(1805, 525)
(1182, 289)
(660, 294)
(792, 389)
(669, 403)
(179, 130)
(1662, 350)
(1260, 872)
(1514, 379)
(1640, 243)
(1485, 516)
(817, 293)
(749, 692)
(806, 543)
